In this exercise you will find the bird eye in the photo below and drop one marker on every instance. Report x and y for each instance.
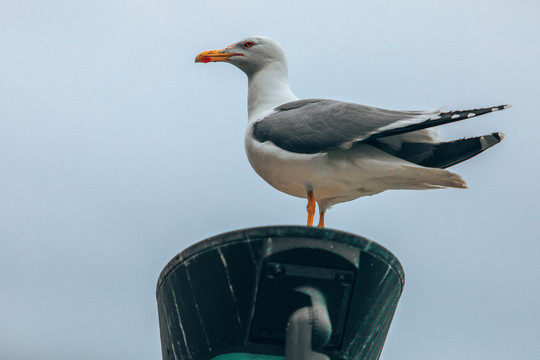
(248, 44)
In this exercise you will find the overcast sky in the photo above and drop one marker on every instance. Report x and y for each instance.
(117, 152)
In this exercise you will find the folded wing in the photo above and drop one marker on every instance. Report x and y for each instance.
(316, 125)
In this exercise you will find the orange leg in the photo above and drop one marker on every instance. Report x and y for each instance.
(310, 208)
(321, 220)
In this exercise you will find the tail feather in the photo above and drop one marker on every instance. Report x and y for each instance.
(420, 178)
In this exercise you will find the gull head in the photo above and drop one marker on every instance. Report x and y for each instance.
(250, 55)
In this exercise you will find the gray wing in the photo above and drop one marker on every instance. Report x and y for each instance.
(316, 125)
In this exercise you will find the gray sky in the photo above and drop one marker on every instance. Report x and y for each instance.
(117, 152)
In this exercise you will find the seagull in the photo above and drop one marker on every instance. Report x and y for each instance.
(332, 151)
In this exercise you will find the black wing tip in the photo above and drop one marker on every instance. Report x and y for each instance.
(498, 135)
(499, 107)
(487, 141)
(446, 154)
(463, 114)
(441, 118)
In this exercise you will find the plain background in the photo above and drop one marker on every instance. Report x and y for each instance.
(117, 152)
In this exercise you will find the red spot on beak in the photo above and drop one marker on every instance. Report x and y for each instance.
(205, 59)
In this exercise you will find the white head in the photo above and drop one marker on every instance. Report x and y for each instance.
(250, 55)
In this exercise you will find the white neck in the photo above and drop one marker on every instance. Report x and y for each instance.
(268, 88)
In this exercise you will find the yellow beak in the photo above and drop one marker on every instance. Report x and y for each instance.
(214, 55)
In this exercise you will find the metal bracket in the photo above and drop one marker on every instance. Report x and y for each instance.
(283, 290)
(308, 329)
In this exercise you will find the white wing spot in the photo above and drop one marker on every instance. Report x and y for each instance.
(455, 116)
(494, 109)
(483, 142)
(471, 115)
